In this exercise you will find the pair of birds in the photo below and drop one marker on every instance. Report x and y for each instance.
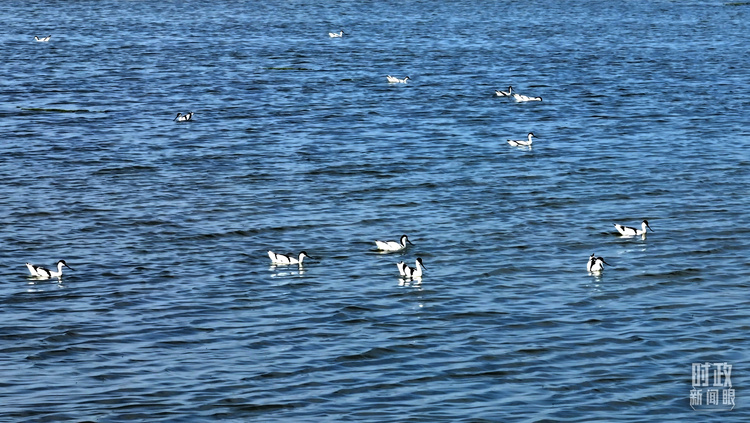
(516, 96)
(184, 118)
(406, 271)
(40, 272)
(519, 97)
(388, 246)
(596, 264)
(286, 259)
(42, 40)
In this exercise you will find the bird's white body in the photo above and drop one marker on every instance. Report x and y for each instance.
(42, 40)
(184, 118)
(504, 93)
(526, 142)
(284, 259)
(394, 80)
(595, 264)
(393, 245)
(401, 266)
(521, 98)
(411, 272)
(628, 231)
(40, 272)
(339, 34)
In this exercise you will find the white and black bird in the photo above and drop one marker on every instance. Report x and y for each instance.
(285, 259)
(596, 264)
(40, 272)
(394, 80)
(521, 143)
(409, 272)
(42, 40)
(339, 34)
(393, 245)
(523, 98)
(184, 118)
(628, 231)
(504, 93)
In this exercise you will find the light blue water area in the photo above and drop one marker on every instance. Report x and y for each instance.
(173, 312)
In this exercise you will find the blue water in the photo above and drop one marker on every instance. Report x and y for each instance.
(298, 143)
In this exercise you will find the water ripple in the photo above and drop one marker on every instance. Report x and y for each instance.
(173, 311)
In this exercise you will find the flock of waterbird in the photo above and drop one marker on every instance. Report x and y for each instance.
(407, 272)
(188, 117)
(595, 265)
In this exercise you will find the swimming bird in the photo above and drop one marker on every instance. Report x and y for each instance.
(393, 245)
(504, 93)
(412, 272)
(394, 80)
(335, 35)
(518, 143)
(628, 231)
(184, 118)
(284, 259)
(42, 40)
(596, 264)
(44, 273)
(521, 97)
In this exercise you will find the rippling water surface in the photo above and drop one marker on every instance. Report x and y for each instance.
(298, 143)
